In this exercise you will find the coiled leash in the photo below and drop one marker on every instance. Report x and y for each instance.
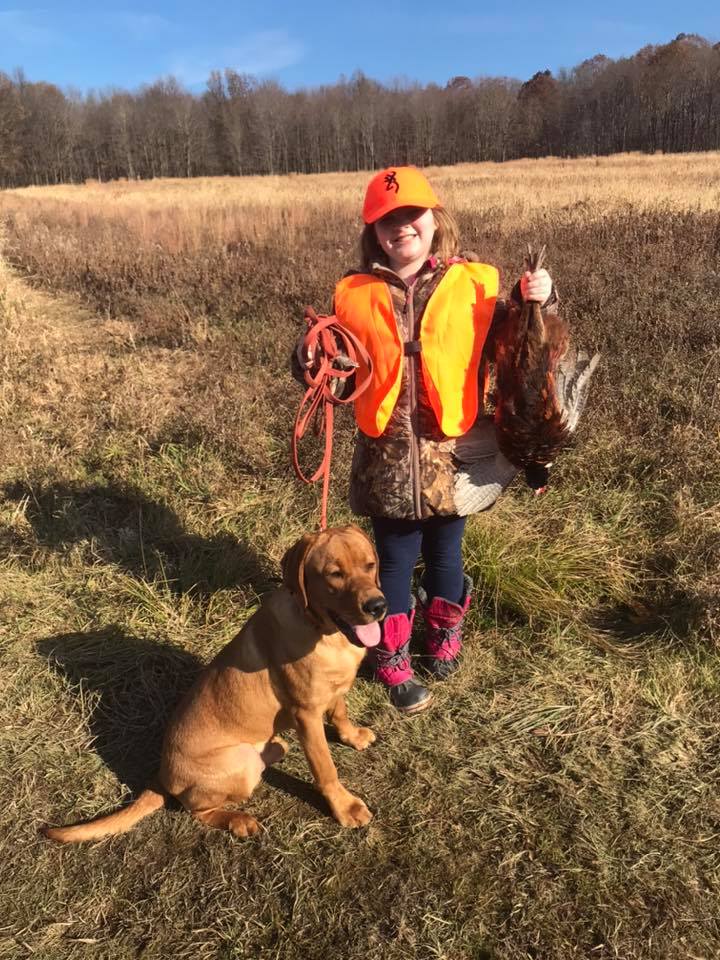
(328, 355)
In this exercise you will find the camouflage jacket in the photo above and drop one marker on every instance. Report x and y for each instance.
(414, 471)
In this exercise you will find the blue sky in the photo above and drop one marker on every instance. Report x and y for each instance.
(88, 45)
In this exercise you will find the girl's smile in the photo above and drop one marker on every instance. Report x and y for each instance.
(406, 236)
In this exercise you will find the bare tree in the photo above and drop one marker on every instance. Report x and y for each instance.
(665, 97)
(11, 132)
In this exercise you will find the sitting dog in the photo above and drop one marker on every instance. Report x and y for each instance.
(289, 667)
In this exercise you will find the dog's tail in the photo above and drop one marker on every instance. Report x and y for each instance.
(148, 802)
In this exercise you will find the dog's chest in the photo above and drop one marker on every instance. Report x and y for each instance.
(342, 667)
(335, 666)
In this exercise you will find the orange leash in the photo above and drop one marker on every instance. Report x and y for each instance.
(329, 354)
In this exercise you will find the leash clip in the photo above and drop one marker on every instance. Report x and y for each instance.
(343, 362)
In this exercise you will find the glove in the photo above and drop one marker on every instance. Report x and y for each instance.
(298, 366)
(536, 286)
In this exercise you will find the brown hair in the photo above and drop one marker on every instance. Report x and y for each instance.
(445, 243)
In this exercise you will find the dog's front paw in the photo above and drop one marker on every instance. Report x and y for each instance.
(355, 814)
(349, 811)
(359, 737)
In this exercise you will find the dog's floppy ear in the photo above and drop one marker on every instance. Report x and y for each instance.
(293, 566)
(356, 529)
(377, 565)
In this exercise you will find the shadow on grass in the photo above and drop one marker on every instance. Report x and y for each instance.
(303, 790)
(677, 617)
(143, 536)
(137, 684)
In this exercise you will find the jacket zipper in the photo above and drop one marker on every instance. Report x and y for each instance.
(412, 361)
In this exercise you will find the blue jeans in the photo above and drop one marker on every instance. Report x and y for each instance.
(400, 542)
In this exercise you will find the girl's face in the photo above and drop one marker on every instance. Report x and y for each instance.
(406, 236)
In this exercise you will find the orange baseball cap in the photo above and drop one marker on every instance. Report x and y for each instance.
(397, 187)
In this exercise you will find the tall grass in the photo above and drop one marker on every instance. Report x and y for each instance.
(224, 267)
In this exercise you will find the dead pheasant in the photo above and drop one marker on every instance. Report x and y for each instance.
(541, 385)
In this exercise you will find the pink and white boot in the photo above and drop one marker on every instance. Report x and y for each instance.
(393, 667)
(443, 630)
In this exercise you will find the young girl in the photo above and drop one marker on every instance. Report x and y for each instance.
(427, 318)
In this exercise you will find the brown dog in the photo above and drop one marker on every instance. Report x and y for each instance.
(290, 665)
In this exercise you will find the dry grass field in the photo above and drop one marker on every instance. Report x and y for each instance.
(561, 799)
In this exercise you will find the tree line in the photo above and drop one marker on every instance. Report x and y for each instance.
(664, 97)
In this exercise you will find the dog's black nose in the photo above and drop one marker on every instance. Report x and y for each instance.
(375, 606)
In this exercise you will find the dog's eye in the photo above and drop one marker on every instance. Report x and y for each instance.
(336, 574)
(370, 566)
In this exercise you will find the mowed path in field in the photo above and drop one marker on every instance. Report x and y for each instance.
(68, 371)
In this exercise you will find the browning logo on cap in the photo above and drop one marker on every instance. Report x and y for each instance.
(391, 181)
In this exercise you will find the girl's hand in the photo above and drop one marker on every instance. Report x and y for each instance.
(536, 286)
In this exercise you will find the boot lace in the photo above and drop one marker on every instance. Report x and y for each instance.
(444, 637)
(400, 660)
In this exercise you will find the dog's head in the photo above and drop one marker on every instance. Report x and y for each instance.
(334, 575)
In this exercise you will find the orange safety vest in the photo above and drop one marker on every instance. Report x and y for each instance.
(453, 329)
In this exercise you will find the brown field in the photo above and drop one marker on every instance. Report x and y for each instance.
(560, 800)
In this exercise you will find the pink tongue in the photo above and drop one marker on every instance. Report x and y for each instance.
(368, 634)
